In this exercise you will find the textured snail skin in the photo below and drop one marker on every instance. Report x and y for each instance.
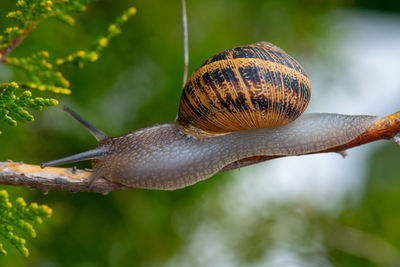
(162, 157)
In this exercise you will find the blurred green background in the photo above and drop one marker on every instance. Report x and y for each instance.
(135, 83)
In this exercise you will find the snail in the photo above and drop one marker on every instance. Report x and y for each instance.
(243, 102)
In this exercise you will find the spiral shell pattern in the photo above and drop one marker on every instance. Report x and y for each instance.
(246, 87)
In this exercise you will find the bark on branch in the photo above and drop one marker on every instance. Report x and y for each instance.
(69, 179)
(15, 42)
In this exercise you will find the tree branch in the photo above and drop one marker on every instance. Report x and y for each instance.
(51, 178)
(15, 42)
(70, 179)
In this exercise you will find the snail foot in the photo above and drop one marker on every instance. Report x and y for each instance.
(91, 179)
(396, 139)
(342, 153)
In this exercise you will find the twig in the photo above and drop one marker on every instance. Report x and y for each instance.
(32, 176)
(185, 42)
(15, 42)
(69, 179)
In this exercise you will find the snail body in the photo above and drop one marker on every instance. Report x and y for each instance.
(243, 102)
(178, 161)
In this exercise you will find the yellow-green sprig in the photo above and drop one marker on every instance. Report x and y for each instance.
(92, 54)
(22, 216)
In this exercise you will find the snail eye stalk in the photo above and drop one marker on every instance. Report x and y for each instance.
(97, 133)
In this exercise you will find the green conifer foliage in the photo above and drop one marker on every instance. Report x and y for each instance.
(22, 216)
(43, 72)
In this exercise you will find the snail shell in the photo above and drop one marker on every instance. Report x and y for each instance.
(246, 87)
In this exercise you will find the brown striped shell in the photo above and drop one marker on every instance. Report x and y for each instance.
(246, 87)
